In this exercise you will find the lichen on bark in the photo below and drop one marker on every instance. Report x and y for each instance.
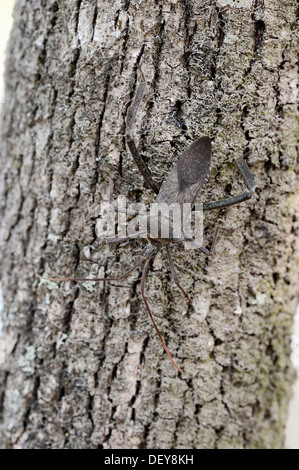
(83, 366)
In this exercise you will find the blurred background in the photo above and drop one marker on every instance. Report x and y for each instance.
(292, 431)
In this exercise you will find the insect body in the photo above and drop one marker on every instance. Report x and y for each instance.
(183, 184)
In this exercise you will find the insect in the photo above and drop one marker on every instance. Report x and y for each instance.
(183, 184)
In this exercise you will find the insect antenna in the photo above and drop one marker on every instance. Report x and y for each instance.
(144, 273)
(96, 279)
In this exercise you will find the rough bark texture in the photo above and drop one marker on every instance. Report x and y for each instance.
(84, 367)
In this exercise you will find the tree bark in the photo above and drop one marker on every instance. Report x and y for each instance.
(83, 365)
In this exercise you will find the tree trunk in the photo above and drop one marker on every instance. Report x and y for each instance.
(84, 367)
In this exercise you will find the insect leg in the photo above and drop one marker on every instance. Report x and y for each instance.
(118, 278)
(215, 236)
(174, 274)
(124, 239)
(144, 273)
(249, 179)
(188, 238)
(131, 115)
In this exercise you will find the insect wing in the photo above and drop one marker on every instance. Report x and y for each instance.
(189, 175)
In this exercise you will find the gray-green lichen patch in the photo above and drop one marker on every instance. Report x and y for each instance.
(27, 360)
(54, 238)
(50, 284)
(89, 285)
(61, 337)
(228, 71)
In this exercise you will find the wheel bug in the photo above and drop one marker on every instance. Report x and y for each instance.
(183, 184)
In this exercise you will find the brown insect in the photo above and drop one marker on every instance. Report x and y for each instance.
(183, 184)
